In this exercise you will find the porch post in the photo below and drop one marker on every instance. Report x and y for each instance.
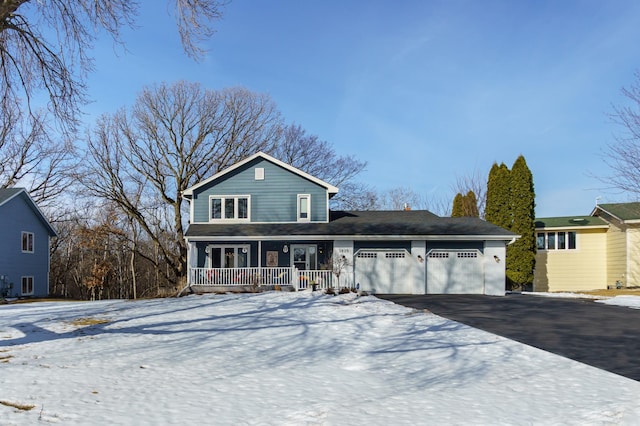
(192, 260)
(259, 253)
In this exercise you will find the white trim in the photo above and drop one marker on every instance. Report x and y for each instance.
(300, 237)
(571, 228)
(258, 173)
(33, 242)
(52, 232)
(188, 193)
(222, 247)
(235, 219)
(299, 210)
(33, 285)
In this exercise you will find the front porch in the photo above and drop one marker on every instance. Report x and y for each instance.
(263, 277)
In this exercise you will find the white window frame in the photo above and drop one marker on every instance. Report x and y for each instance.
(29, 238)
(299, 210)
(259, 173)
(223, 199)
(245, 248)
(556, 240)
(28, 280)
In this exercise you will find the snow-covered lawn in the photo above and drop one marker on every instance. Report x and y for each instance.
(285, 359)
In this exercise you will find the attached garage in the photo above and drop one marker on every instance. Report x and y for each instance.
(384, 271)
(455, 272)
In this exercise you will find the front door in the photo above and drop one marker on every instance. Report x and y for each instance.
(304, 256)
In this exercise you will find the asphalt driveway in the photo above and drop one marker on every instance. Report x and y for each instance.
(604, 336)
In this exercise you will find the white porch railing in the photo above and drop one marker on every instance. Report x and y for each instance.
(322, 280)
(240, 276)
(283, 276)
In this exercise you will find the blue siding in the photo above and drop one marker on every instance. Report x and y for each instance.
(17, 216)
(273, 199)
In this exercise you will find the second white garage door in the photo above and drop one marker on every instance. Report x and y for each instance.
(455, 272)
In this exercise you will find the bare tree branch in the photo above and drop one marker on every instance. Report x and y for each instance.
(45, 45)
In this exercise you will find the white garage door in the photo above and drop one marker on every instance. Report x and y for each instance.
(384, 271)
(455, 272)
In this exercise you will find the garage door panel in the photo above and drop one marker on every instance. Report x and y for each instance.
(383, 271)
(455, 272)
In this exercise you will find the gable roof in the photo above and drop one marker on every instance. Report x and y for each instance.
(188, 193)
(621, 211)
(372, 224)
(7, 194)
(570, 222)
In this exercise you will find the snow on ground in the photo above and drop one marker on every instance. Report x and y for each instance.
(628, 301)
(285, 359)
(566, 295)
(624, 300)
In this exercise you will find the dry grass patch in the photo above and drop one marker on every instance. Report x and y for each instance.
(85, 322)
(23, 407)
(612, 292)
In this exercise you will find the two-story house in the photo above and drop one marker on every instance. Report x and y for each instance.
(264, 222)
(25, 237)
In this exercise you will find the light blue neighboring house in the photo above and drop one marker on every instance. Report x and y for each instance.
(25, 237)
(262, 222)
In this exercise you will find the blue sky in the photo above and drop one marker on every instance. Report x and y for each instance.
(424, 91)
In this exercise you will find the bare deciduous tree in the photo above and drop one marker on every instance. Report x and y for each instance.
(318, 158)
(174, 136)
(30, 158)
(475, 182)
(45, 44)
(623, 155)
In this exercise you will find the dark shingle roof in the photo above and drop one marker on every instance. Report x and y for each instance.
(361, 224)
(569, 222)
(624, 211)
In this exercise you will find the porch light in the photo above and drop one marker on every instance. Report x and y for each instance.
(285, 249)
(496, 258)
(420, 259)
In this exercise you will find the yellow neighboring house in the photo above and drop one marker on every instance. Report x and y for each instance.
(589, 252)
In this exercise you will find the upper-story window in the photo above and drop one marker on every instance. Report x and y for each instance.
(27, 242)
(230, 207)
(556, 240)
(304, 207)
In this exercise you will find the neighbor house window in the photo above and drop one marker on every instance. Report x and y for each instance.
(27, 242)
(230, 207)
(304, 207)
(27, 285)
(556, 240)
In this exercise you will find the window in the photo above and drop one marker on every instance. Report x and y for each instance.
(304, 207)
(229, 256)
(27, 285)
(556, 240)
(551, 241)
(230, 207)
(562, 244)
(27, 242)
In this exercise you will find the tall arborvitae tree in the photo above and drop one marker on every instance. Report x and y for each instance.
(465, 205)
(498, 206)
(457, 209)
(521, 254)
(470, 203)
